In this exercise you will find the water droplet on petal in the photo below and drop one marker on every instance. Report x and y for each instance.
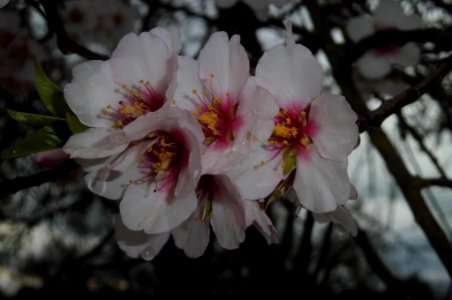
(147, 254)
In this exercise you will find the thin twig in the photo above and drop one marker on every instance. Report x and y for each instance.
(12, 186)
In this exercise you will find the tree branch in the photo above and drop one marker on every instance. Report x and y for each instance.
(409, 96)
(14, 185)
(428, 182)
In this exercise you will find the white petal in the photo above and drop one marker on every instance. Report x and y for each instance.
(143, 57)
(171, 36)
(154, 211)
(96, 143)
(229, 63)
(137, 243)
(337, 132)
(372, 66)
(185, 82)
(360, 27)
(192, 236)
(340, 217)
(407, 55)
(256, 216)
(291, 74)
(228, 217)
(320, 183)
(90, 91)
(258, 175)
(257, 108)
(109, 183)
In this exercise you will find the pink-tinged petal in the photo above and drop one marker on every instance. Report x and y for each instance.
(171, 36)
(217, 161)
(154, 211)
(224, 65)
(96, 143)
(373, 66)
(109, 183)
(137, 243)
(165, 119)
(258, 175)
(189, 174)
(255, 215)
(360, 27)
(143, 57)
(290, 74)
(192, 236)
(130, 158)
(186, 81)
(257, 109)
(228, 217)
(337, 132)
(320, 183)
(90, 165)
(407, 55)
(51, 158)
(90, 91)
(340, 217)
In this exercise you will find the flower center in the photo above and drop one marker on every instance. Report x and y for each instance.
(217, 117)
(292, 130)
(136, 101)
(163, 159)
(291, 135)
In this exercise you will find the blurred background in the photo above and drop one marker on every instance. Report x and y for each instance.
(390, 59)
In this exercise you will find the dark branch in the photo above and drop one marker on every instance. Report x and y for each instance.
(409, 96)
(14, 185)
(428, 182)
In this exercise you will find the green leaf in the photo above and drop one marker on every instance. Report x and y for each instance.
(44, 139)
(33, 119)
(74, 123)
(289, 160)
(51, 95)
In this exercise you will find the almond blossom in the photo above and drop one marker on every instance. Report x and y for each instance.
(219, 206)
(153, 165)
(235, 113)
(313, 133)
(377, 63)
(108, 95)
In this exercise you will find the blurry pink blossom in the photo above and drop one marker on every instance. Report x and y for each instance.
(377, 63)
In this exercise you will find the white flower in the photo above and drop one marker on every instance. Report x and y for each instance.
(313, 133)
(377, 63)
(153, 165)
(219, 206)
(134, 81)
(236, 114)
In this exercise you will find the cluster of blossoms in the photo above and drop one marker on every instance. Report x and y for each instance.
(101, 22)
(188, 145)
(376, 65)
